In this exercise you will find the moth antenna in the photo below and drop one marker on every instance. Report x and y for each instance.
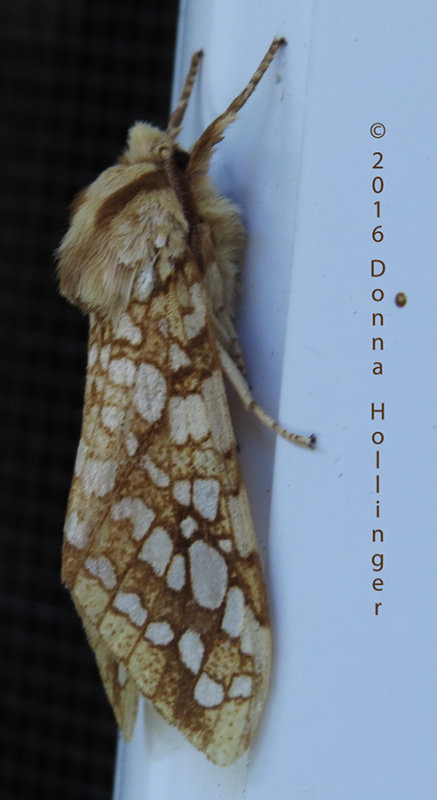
(177, 115)
(201, 153)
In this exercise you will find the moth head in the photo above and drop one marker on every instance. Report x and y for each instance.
(147, 144)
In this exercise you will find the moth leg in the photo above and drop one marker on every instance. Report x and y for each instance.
(227, 337)
(241, 387)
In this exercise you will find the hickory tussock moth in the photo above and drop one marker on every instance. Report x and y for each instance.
(159, 551)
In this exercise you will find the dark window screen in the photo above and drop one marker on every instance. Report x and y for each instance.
(75, 74)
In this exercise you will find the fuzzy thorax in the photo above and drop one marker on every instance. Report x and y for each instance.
(130, 220)
(119, 225)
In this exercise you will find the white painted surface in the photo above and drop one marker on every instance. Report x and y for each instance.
(352, 712)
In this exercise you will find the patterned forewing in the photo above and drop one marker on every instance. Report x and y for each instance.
(160, 553)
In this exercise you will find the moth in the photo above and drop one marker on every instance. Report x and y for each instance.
(159, 551)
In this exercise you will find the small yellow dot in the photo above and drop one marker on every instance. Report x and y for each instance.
(401, 299)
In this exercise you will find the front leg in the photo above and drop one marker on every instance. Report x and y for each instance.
(240, 385)
(226, 336)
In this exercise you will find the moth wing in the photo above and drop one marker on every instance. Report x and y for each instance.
(160, 554)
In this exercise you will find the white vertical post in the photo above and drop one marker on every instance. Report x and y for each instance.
(352, 711)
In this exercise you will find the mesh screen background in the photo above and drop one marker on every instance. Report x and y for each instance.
(75, 75)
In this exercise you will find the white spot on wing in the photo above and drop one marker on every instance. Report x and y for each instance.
(188, 417)
(144, 283)
(178, 358)
(182, 492)
(195, 321)
(225, 545)
(98, 477)
(198, 424)
(209, 574)
(150, 392)
(234, 612)
(102, 568)
(157, 550)
(241, 686)
(178, 421)
(205, 497)
(92, 355)
(80, 457)
(207, 692)
(140, 515)
(176, 573)
(163, 327)
(246, 643)
(110, 417)
(159, 633)
(191, 649)
(129, 603)
(158, 476)
(122, 371)
(125, 329)
(104, 356)
(76, 531)
(188, 526)
(131, 444)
